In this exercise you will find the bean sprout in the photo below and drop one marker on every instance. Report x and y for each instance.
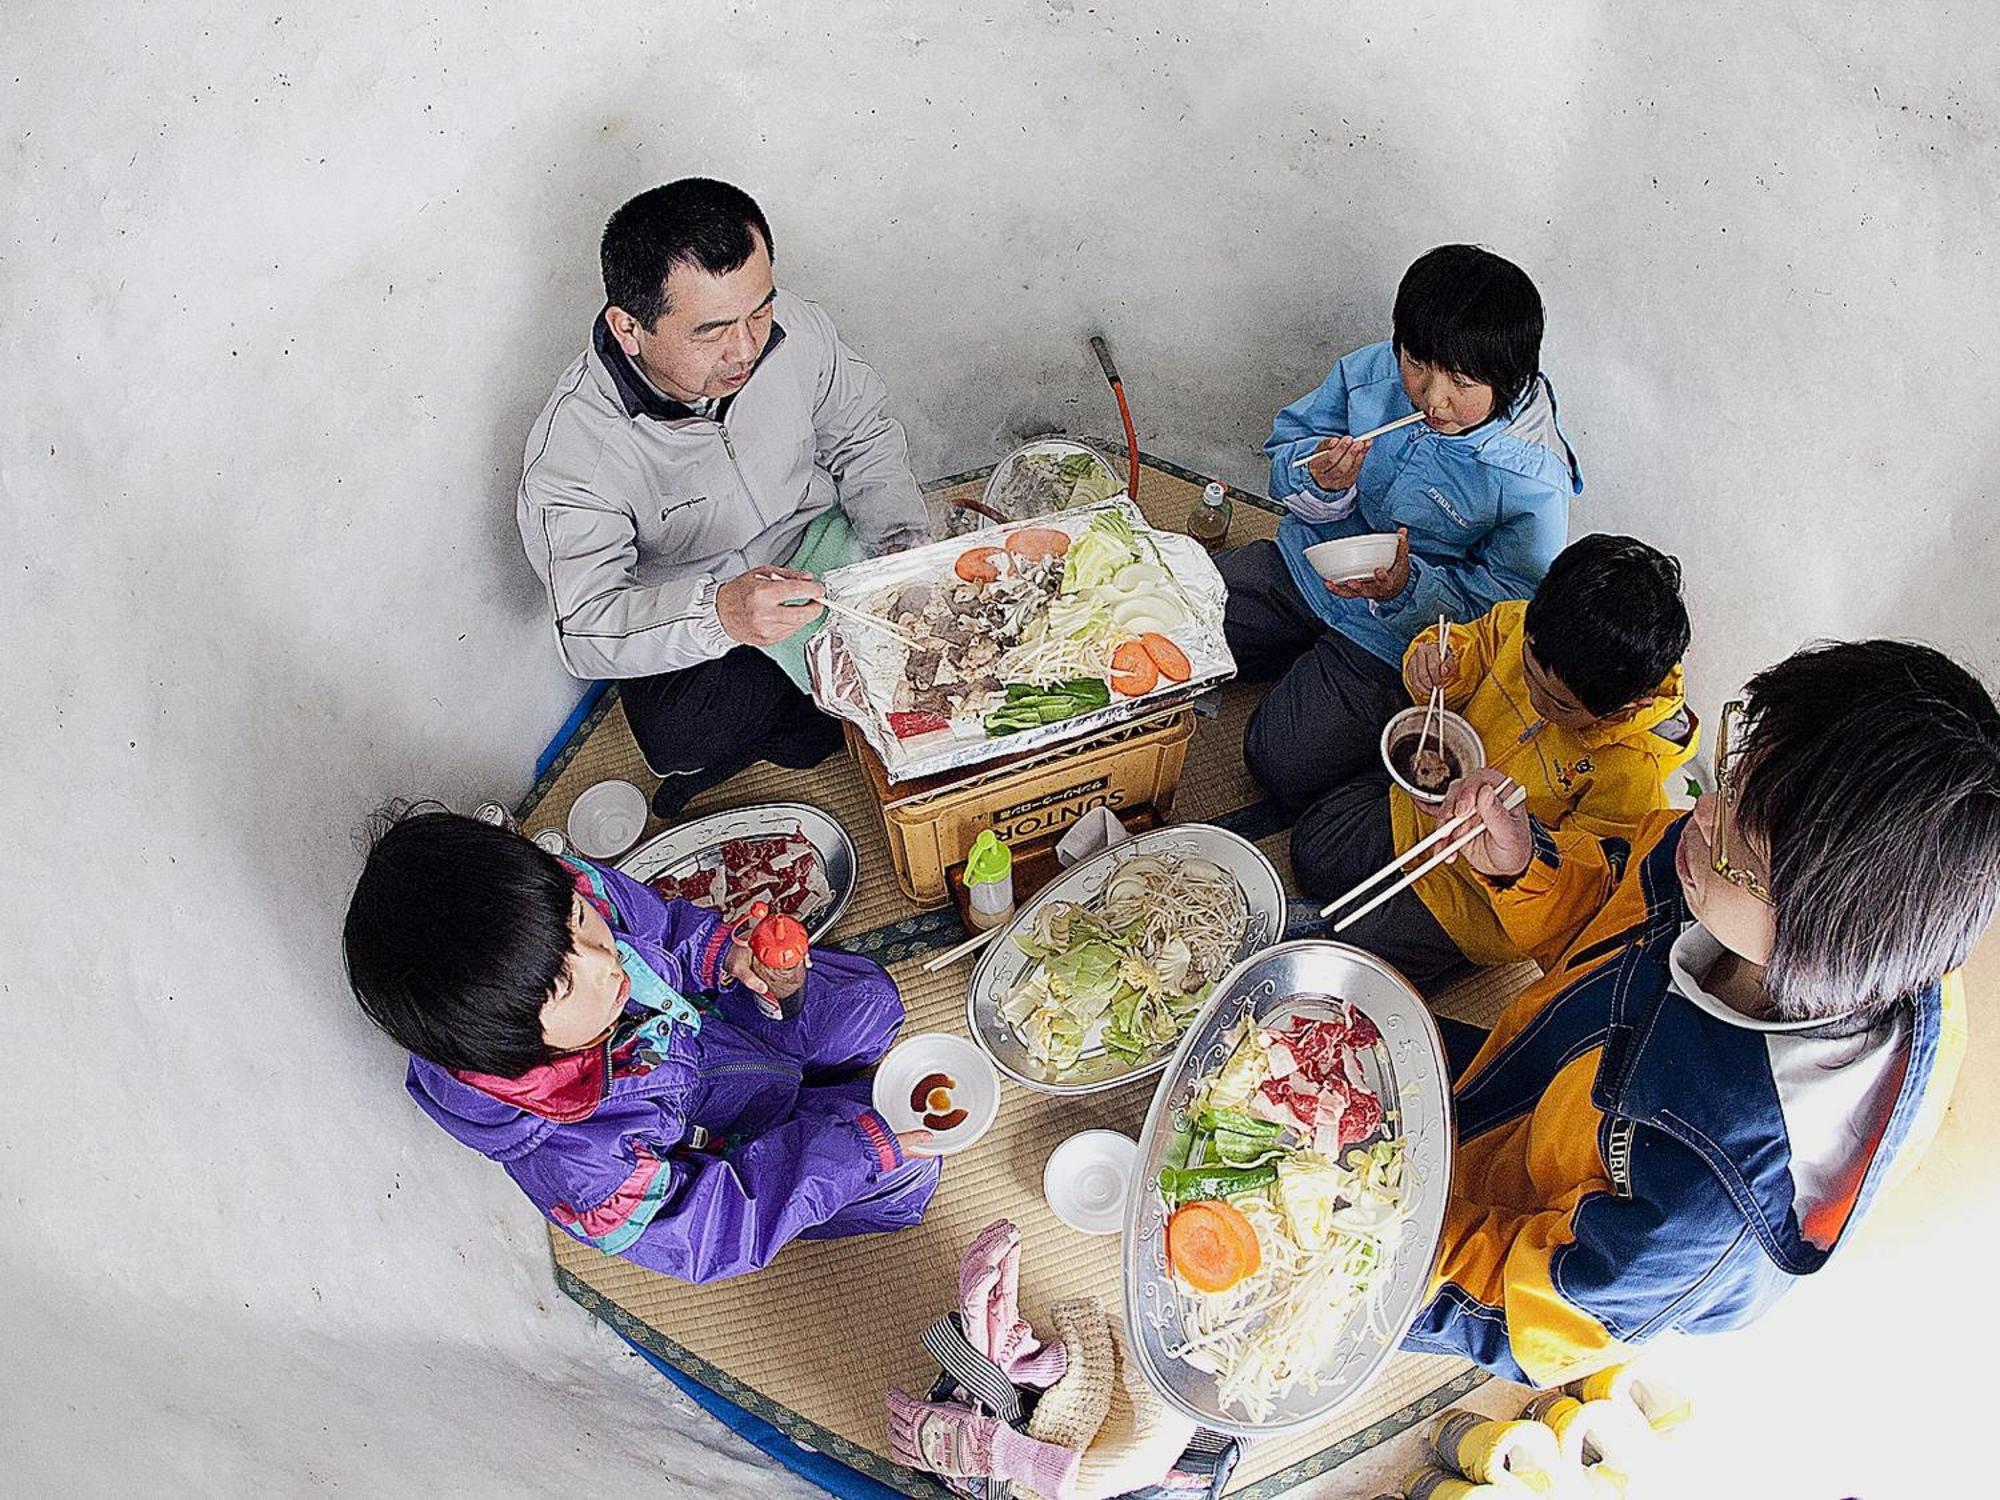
(1194, 900)
(1053, 659)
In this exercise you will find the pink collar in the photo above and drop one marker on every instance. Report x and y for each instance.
(564, 1089)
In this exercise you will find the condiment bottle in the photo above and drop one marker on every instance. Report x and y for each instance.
(989, 882)
(780, 949)
(1208, 522)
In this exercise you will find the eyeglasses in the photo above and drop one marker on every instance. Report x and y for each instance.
(1726, 787)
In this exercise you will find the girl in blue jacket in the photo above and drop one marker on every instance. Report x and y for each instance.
(1477, 492)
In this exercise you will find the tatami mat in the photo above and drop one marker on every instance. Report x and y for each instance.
(811, 1343)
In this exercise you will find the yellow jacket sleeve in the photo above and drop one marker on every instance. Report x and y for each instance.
(1471, 653)
(1570, 876)
(1558, 1292)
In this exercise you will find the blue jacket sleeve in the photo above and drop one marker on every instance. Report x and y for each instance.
(1299, 429)
(1507, 564)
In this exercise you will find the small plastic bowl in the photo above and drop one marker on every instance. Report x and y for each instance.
(1461, 744)
(1086, 1180)
(607, 819)
(975, 1088)
(1346, 558)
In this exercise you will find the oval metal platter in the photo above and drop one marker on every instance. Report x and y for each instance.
(1407, 1071)
(1003, 966)
(680, 850)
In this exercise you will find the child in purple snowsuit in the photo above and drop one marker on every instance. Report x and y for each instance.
(621, 1057)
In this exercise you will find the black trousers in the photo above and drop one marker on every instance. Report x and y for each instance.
(1344, 838)
(1320, 726)
(1314, 744)
(699, 726)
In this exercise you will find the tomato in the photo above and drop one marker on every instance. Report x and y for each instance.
(980, 565)
(1038, 542)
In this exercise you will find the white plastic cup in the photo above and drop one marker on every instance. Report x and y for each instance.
(1087, 1177)
(1461, 744)
(607, 819)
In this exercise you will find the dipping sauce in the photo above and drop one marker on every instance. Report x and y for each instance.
(931, 1099)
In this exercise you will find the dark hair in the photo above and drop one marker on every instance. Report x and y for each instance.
(1871, 771)
(1467, 310)
(695, 222)
(1608, 620)
(455, 936)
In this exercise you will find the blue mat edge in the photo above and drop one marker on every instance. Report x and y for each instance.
(830, 1474)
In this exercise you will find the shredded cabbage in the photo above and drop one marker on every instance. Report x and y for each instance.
(1106, 545)
(1086, 974)
(1248, 1066)
(1131, 970)
(1278, 1327)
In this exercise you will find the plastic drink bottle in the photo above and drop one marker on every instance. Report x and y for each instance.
(1208, 522)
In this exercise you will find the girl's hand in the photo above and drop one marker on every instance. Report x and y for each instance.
(746, 971)
(1387, 583)
(1430, 666)
(914, 1142)
(1505, 844)
(1336, 462)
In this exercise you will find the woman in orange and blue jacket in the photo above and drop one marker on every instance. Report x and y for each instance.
(1748, 1017)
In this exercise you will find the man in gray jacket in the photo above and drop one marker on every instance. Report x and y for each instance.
(675, 471)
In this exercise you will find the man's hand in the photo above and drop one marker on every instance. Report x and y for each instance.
(1431, 666)
(1387, 583)
(1336, 462)
(1505, 844)
(752, 607)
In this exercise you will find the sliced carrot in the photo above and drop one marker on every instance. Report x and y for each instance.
(1169, 658)
(1133, 671)
(1211, 1246)
(1037, 542)
(980, 565)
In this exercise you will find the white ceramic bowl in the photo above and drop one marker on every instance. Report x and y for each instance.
(1086, 1180)
(1461, 743)
(975, 1087)
(1347, 558)
(607, 819)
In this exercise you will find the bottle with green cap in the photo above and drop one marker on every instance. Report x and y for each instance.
(989, 881)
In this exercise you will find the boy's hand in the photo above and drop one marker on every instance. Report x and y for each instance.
(1387, 583)
(1505, 844)
(914, 1142)
(1430, 666)
(1336, 462)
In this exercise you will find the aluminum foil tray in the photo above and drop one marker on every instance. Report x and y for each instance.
(855, 669)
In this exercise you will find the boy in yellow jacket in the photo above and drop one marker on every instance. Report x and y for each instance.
(1576, 694)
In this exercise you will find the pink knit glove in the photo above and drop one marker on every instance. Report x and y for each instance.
(954, 1440)
(989, 1284)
